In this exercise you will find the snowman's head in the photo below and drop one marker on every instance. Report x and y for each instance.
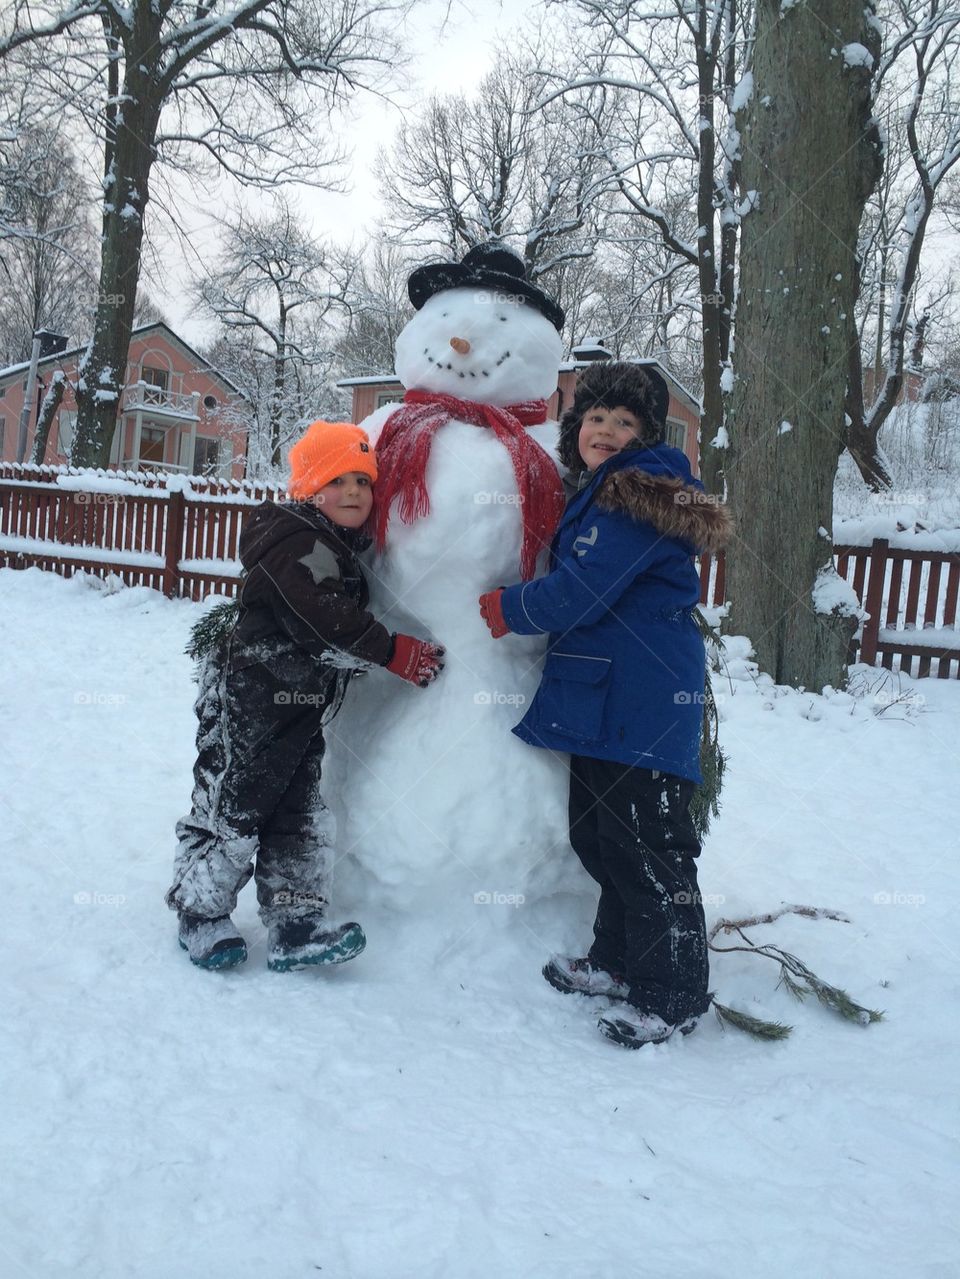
(480, 344)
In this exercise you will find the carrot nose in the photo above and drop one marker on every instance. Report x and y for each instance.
(460, 345)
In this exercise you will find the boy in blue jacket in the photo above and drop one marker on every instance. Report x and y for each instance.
(622, 692)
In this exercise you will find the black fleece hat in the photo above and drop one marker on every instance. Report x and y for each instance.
(613, 384)
(490, 266)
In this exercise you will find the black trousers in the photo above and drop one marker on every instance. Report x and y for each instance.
(257, 806)
(632, 831)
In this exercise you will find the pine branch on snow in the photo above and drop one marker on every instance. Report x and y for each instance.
(800, 980)
(751, 1025)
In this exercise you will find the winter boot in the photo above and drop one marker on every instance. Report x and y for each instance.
(211, 943)
(631, 1028)
(299, 943)
(581, 977)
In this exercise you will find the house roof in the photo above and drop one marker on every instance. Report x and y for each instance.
(58, 357)
(568, 366)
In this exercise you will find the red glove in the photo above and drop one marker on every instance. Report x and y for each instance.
(417, 661)
(491, 610)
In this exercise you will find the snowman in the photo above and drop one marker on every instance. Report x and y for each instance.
(438, 801)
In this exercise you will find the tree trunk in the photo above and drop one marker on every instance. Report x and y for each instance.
(711, 414)
(810, 153)
(48, 411)
(279, 388)
(126, 192)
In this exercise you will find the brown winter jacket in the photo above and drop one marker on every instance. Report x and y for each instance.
(304, 593)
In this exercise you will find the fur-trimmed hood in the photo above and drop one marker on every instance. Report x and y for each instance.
(656, 485)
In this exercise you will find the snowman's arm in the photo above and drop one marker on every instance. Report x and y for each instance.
(610, 553)
(311, 604)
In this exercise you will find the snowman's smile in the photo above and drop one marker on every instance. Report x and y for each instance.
(464, 373)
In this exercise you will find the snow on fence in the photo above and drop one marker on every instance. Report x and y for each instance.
(181, 535)
(177, 534)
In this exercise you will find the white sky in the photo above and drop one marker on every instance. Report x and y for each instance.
(451, 47)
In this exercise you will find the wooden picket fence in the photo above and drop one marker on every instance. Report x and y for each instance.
(182, 536)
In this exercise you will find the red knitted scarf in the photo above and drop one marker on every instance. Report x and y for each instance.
(404, 448)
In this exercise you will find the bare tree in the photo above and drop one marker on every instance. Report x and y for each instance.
(671, 74)
(279, 285)
(48, 261)
(919, 65)
(378, 312)
(242, 83)
(495, 166)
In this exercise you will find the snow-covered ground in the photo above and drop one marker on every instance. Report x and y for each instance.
(434, 1109)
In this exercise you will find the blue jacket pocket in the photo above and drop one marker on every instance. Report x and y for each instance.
(573, 694)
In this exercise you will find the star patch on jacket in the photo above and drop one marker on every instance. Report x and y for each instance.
(321, 562)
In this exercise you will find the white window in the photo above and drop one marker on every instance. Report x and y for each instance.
(675, 433)
(206, 456)
(66, 428)
(155, 376)
(389, 397)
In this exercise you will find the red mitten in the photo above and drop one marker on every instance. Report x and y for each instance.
(491, 610)
(417, 661)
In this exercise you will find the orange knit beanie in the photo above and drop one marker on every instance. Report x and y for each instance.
(326, 450)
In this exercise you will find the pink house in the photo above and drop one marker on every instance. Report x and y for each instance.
(683, 415)
(176, 413)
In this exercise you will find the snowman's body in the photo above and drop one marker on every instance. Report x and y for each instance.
(436, 797)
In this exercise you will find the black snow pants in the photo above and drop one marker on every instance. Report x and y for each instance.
(256, 797)
(632, 831)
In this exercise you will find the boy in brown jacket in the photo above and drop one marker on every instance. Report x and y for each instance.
(303, 631)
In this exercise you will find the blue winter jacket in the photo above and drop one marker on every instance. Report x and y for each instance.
(624, 673)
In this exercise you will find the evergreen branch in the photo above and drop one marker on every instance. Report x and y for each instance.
(830, 996)
(751, 1025)
(214, 626)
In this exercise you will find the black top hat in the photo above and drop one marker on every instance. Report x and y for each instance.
(490, 266)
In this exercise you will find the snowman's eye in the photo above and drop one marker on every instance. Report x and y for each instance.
(444, 314)
(503, 318)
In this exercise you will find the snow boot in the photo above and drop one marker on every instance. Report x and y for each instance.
(300, 943)
(581, 977)
(631, 1028)
(211, 943)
